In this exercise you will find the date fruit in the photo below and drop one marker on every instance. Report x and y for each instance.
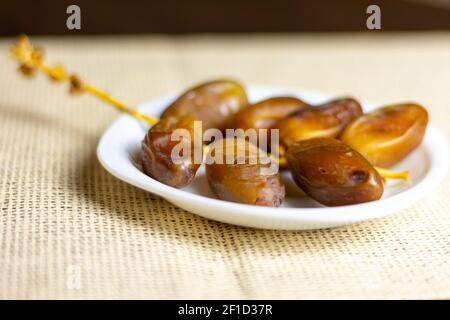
(332, 173)
(324, 121)
(246, 178)
(387, 135)
(214, 103)
(267, 113)
(157, 147)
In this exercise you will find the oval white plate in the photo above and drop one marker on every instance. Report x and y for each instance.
(119, 148)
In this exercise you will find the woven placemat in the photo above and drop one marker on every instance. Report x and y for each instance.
(68, 229)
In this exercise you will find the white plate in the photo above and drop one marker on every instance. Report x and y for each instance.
(120, 146)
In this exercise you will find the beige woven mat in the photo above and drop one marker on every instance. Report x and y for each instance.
(70, 230)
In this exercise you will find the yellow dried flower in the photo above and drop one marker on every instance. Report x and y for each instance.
(27, 70)
(37, 55)
(57, 73)
(76, 85)
(31, 60)
(21, 47)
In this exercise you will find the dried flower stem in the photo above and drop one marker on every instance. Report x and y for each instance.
(388, 174)
(103, 95)
(32, 59)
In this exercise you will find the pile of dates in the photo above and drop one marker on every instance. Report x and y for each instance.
(332, 150)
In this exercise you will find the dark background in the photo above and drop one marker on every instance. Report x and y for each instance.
(202, 16)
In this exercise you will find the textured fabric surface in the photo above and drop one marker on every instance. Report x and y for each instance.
(68, 229)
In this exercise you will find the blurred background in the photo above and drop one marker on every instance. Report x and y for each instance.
(47, 17)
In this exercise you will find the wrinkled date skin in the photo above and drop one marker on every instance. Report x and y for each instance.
(267, 113)
(246, 183)
(157, 150)
(324, 121)
(213, 103)
(387, 135)
(332, 173)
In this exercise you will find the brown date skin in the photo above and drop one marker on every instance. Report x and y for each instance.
(387, 135)
(246, 183)
(157, 148)
(323, 121)
(332, 173)
(214, 103)
(267, 113)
